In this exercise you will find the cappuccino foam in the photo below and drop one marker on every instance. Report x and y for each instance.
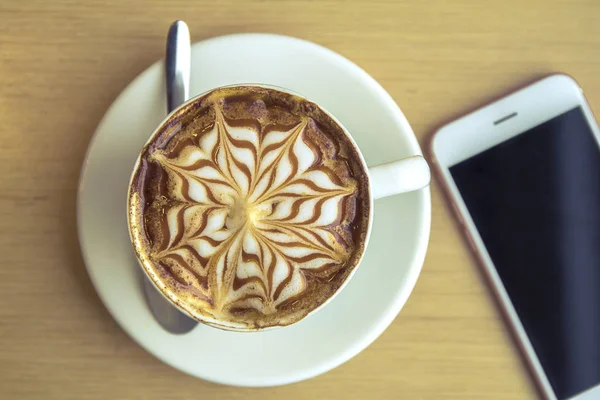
(249, 207)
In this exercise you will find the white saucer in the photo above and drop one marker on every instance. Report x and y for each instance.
(353, 319)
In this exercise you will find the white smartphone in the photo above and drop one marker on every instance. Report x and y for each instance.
(523, 177)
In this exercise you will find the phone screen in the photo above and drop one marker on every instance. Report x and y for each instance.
(535, 200)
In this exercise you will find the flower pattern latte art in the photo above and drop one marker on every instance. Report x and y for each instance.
(249, 214)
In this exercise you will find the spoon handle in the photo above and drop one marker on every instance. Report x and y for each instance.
(178, 65)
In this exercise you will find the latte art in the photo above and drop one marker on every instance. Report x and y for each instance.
(249, 210)
(261, 211)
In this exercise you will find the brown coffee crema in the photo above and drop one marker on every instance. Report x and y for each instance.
(249, 207)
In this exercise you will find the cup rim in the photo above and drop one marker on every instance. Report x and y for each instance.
(163, 290)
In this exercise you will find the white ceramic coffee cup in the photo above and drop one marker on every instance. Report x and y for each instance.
(396, 177)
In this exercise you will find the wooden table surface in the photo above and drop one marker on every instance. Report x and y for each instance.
(63, 62)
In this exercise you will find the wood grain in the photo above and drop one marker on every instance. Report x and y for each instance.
(62, 63)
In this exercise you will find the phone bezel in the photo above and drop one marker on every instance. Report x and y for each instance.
(477, 132)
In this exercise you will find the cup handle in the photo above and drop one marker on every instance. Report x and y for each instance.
(406, 175)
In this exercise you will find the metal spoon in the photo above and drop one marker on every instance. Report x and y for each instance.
(178, 90)
(178, 65)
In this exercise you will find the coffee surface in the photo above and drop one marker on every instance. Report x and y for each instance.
(249, 207)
